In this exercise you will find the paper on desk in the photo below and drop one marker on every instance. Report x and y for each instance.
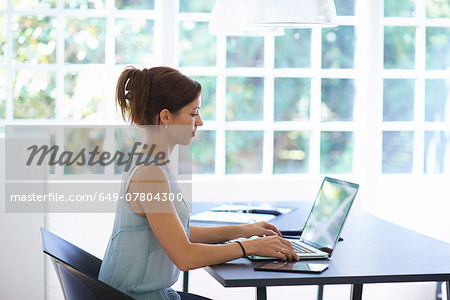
(230, 217)
(243, 208)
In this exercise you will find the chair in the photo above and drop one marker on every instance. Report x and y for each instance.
(77, 270)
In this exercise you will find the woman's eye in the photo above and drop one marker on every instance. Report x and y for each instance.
(194, 115)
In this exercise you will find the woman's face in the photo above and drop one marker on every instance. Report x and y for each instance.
(187, 120)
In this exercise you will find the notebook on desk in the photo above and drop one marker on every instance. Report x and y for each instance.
(325, 221)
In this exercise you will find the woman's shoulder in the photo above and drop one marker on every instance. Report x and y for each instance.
(151, 172)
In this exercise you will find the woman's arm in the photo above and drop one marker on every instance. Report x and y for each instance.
(169, 231)
(186, 255)
(214, 235)
(220, 234)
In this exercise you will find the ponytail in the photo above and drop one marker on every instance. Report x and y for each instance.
(143, 94)
(132, 94)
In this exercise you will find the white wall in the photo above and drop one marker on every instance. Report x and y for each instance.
(21, 256)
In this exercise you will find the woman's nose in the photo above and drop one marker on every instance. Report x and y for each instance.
(198, 121)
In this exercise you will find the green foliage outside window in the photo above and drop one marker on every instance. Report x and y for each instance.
(399, 8)
(34, 42)
(438, 48)
(35, 95)
(135, 4)
(2, 94)
(196, 6)
(244, 51)
(85, 40)
(208, 109)
(35, 39)
(437, 100)
(398, 100)
(245, 98)
(27, 4)
(293, 49)
(84, 4)
(337, 100)
(75, 139)
(399, 47)
(196, 47)
(3, 39)
(397, 151)
(345, 7)
(336, 152)
(244, 151)
(338, 47)
(291, 152)
(204, 152)
(437, 8)
(292, 99)
(134, 41)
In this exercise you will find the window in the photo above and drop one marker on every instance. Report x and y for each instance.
(273, 105)
(268, 99)
(416, 136)
(58, 56)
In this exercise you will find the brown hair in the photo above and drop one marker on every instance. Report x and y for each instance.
(143, 94)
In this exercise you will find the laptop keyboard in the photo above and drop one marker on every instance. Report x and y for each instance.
(300, 249)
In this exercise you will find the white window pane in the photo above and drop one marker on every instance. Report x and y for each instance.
(398, 151)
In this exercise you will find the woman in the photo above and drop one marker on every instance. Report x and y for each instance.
(152, 240)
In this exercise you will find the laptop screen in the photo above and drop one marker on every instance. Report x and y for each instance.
(328, 214)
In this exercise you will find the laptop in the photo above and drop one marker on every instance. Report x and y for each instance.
(325, 221)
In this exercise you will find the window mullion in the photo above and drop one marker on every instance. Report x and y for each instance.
(110, 44)
(315, 100)
(361, 85)
(166, 29)
(60, 70)
(9, 113)
(369, 92)
(221, 105)
(269, 62)
(419, 90)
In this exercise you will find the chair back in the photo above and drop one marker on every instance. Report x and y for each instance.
(70, 254)
(77, 270)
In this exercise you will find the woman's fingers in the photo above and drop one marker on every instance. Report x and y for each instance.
(288, 249)
(272, 227)
(277, 246)
(286, 243)
(269, 232)
(280, 255)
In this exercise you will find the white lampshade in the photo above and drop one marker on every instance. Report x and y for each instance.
(229, 17)
(292, 13)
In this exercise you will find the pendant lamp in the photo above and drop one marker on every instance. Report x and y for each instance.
(291, 13)
(229, 17)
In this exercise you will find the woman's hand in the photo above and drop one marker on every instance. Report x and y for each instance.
(271, 246)
(259, 229)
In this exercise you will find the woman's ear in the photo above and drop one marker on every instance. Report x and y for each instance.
(164, 116)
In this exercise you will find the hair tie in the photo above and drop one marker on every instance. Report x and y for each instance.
(129, 84)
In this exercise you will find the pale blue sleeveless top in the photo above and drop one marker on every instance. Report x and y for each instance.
(135, 262)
